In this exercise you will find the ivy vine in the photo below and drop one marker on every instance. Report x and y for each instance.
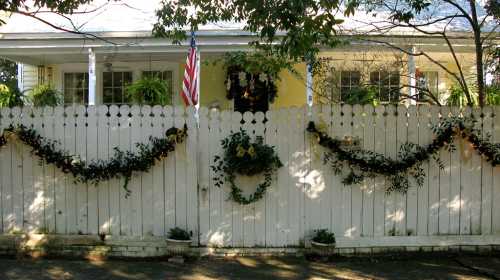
(363, 164)
(244, 157)
(121, 165)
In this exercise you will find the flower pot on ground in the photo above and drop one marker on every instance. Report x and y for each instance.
(178, 242)
(323, 242)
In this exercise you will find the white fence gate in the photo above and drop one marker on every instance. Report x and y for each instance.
(460, 203)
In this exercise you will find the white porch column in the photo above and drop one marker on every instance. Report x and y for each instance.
(20, 77)
(92, 78)
(309, 87)
(412, 71)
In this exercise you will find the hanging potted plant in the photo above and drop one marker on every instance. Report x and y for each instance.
(178, 241)
(150, 91)
(323, 242)
(251, 78)
(45, 95)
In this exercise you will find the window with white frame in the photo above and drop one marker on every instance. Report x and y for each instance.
(114, 85)
(76, 88)
(344, 83)
(387, 85)
(427, 83)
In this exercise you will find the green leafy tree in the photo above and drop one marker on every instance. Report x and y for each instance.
(299, 26)
(8, 73)
(10, 97)
(480, 17)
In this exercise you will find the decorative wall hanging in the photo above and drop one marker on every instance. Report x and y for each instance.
(244, 157)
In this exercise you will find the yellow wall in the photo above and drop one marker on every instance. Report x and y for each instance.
(291, 89)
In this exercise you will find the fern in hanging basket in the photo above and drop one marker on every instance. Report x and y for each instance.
(150, 91)
(242, 156)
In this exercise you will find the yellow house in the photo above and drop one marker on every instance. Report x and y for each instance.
(120, 40)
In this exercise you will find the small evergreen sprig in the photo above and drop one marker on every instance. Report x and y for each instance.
(121, 165)
(363, 163)
(244, 157)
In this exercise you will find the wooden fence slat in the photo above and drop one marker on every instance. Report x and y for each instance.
(17, 174)
(379, 198)
(433, 178)
(487, 174)
(192, 175)
(103, 189)
(157, 190)
(49, 174)
(296, 169)
(27, 176)
(169, 181)
(92, 154)
(6, 175)
(496, 176)
(204, 175)
(444, 185)
(115, 185)
(356, 190)
(466, 180)
(125, 145)
(476, 187)
(147, 185)
(455, 184)
(59, 177)
(368, 186)
(400, 213)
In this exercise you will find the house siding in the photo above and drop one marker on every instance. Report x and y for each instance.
(27, 77)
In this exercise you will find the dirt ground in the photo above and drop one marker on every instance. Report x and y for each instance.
(395, 267)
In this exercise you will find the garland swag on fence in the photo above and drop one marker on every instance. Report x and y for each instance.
(241, 156)
(363, 163)
(121, 164)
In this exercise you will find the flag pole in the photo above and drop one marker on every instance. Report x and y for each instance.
(197, 106)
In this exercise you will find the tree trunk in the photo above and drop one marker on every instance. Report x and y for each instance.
(479, 53)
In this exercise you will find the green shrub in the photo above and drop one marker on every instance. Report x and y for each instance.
(45, 95)
(178, 234)
(324, 236)
(10, 97)
(493, 95)
(150, 91)
(361, 95)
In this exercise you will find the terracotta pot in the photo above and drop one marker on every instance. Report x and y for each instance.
(178, 247)
(323, 249)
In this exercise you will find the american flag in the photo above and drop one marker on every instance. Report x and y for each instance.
(190, 83)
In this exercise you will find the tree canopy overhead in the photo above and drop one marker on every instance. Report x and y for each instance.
(305, 24)
(59, 6)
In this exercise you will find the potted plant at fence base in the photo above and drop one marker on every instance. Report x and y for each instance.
(323, 242)
(178, 242)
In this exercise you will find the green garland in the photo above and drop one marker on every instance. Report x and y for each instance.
(363, 163)
(241, 156)
(121, 164)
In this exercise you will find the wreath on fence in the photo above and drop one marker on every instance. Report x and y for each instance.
(121, 164)
(244, 157)
(362, 163)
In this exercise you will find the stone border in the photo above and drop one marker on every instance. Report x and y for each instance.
(95, 246)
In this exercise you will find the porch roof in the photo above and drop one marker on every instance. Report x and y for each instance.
(54, 48)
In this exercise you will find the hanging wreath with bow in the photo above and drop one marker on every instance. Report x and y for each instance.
(244, 157)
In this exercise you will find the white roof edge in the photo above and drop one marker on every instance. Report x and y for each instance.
(202, 33)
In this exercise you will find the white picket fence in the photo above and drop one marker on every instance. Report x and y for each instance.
(461, 201)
